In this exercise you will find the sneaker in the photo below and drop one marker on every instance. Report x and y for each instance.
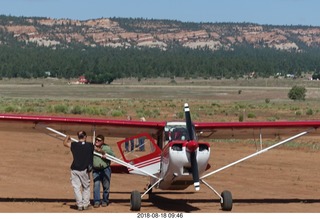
(80, 208)
(104, 204)
(96, 205)
(88, 207)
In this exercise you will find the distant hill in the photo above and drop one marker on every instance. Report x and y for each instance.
(129, 32)
(107, 49)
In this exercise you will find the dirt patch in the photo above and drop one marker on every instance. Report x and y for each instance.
(35, 178)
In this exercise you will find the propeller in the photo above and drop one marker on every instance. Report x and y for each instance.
(192, 145)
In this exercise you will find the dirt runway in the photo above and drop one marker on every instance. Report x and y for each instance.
(35, 178)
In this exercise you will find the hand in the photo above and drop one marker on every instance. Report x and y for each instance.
(67, 141)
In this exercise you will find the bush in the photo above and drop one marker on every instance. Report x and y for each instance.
(297, 93)
(60, 108)
(309, 112)
(76, 110)
(241, 118)
(116, 113)
(9, 109)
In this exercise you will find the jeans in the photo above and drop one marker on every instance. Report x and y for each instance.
(101, 177)
(127, 145)
(141, 144)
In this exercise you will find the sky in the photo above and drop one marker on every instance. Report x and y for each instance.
(273, 12)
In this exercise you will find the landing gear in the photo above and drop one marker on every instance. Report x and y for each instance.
(149, 191)
(149, 188)
(225, 197)
(226, 201)
(135, 201)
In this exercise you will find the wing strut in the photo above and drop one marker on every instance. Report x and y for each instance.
(259, 152)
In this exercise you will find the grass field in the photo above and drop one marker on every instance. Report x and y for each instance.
(162, 99)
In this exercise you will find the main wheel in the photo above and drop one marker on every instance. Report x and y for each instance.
(135, 201)
(226, 201)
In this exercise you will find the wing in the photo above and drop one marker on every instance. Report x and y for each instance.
(256, 130)
(119, 130)
(281, 131)
(70, 125)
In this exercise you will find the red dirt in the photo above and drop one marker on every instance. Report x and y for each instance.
(35, 178)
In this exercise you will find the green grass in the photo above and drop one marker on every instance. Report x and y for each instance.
(162, 102)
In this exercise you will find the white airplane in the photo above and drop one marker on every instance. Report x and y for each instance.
(172, 154)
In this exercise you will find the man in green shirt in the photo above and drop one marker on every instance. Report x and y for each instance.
(101, 172)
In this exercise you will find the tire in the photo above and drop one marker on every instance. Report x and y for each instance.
(135, 201)
(226, 202)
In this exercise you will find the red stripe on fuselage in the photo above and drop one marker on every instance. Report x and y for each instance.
(146, 163)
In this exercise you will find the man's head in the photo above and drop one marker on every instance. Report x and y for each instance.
(99, 140)
(82, 135)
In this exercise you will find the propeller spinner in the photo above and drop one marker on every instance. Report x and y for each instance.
(192, 145)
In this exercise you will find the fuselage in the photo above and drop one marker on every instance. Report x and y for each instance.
(175, 166)
(171, 160)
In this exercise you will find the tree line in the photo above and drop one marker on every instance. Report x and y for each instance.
(105, 64)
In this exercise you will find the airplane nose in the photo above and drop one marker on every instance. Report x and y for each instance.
(192, 146)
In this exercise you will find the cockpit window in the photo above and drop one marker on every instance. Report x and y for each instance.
(179, 134)
(175, 131)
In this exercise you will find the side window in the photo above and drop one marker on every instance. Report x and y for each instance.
(134, 147)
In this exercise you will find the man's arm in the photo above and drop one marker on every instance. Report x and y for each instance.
(99, 150)
(67, 141)
(109, 151)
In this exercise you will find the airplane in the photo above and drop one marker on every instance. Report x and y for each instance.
(173, 154)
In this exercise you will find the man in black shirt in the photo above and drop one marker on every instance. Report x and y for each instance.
(82, 153)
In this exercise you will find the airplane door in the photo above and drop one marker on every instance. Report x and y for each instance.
(141, 151)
